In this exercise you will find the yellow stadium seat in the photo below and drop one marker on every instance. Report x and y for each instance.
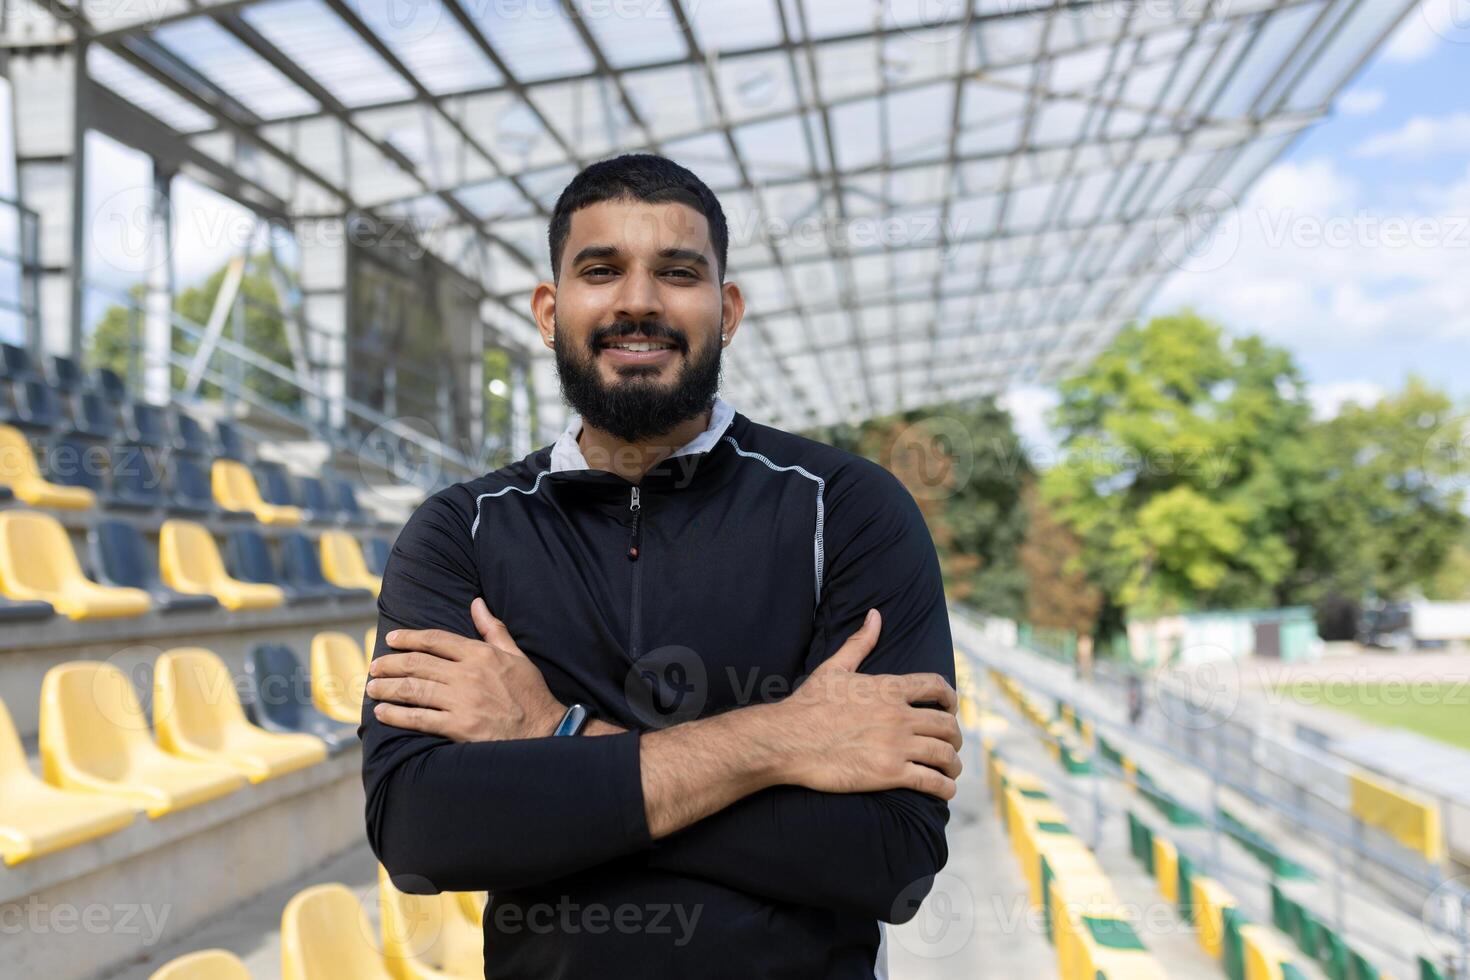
(472, 907)
(427, 937)
(1210, 902)
(38, 819)
(325, 935)
(1166, 869)
(19, 472)
(1264, 953)
(338, 677)
(370, 640)
(190, 562)
(94, 737)
(343, 562)
(235, 489)
(206, 964)
(197, 715)
(37, 562)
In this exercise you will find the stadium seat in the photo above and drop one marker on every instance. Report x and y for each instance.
(192, 493)
(277, 697)
(94, 738)
(93, 417)
(37, 563)
(325, 935)
(347, 504)
(122, 558)
(19, 472)
(15, 362)
(338, 676)
(369, 644)
(235, 489)
(206, 964)
(38, 819)
(343, 562)
(36, 406)
(110, 385)
(198, 716)
(472, 906)
(147, 425)
(316, 505)
(137, 477)
(76, 462)
(303, 569)
(275, 484)
(376, 552)
(191, 563)
(232, 444)
(64, 373)
(192, 437)
(250, 559)
(20, 612)
(427, 937)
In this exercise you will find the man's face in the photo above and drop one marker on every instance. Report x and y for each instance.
(638, 313)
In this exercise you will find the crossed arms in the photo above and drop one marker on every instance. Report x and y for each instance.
(832, 797)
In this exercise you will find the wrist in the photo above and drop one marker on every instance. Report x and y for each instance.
(773, 758)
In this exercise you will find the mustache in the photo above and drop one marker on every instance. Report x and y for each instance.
(628, 328)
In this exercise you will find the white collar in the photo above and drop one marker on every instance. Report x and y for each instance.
(566, 455)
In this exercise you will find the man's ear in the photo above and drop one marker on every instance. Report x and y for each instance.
(732, 308)
(543, 309)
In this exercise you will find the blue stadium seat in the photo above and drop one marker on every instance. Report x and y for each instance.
(36, 405)
(303, 568)
(15, 611)
(316, 505)
(147, 425)
(275, 484)
(73, 461)
(231, 443)
(250, 560)
(347, 504)
(121, 557)
(110, 385)
(15, 362)
(192, 437)
(277, 697)
(93, 416)
(376, 551)
(64, 374)
(137, 476)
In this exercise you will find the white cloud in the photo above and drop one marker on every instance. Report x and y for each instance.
(1329, 398)
(1312, 262)
(1361, 101)
(1422, 31)
(1420, 137)
(1029, 405)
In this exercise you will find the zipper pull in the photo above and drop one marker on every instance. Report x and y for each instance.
(636, 538)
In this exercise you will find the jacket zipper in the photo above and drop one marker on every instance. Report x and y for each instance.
(635, 544)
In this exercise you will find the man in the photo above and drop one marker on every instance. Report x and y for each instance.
(744, 800)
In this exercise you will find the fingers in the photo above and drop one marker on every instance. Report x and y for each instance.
(938, 724)
(927, 780)
(426, 666)
(415, 719)
(936, 754)
(412, 691)
(930, 688)
(437, 642)
(851, 654)
(492, 629)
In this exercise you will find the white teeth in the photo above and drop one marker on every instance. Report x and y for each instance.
(639, 347)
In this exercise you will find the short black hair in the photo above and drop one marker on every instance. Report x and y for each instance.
(637, 177)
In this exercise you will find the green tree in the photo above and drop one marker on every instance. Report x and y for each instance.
(264, 333)
(1382, 504)
(1179, 447)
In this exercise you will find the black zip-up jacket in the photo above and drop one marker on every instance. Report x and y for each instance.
(723, 577)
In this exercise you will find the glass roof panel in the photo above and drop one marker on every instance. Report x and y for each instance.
(336, 57)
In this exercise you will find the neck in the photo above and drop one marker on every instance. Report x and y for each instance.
(631, 460)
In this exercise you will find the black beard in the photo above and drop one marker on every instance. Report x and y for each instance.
(636, 409)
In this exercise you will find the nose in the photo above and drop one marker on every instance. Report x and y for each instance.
(638, 297)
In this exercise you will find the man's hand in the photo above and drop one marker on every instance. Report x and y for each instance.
(846, 732)
(463, 689)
